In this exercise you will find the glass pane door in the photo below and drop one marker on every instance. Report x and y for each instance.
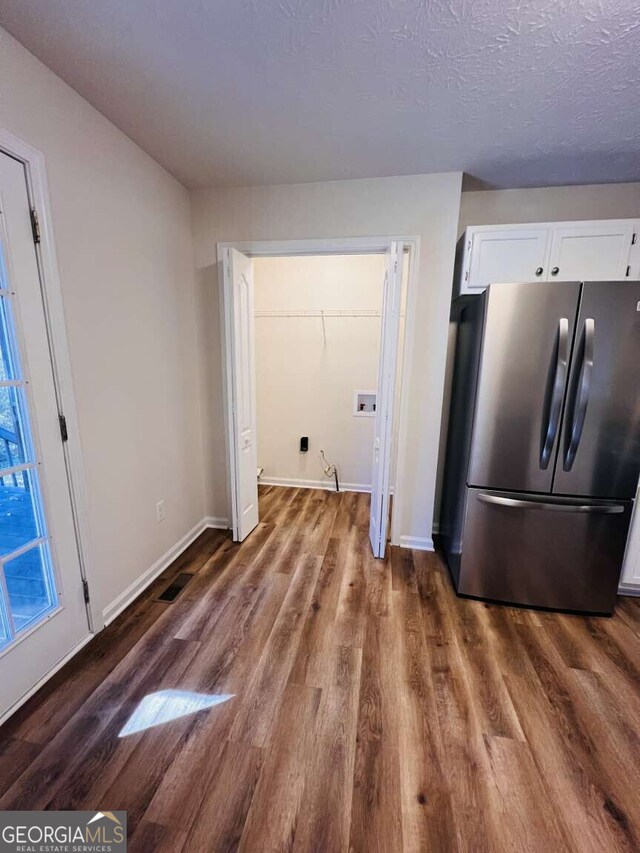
(27, 587)
(43, 613)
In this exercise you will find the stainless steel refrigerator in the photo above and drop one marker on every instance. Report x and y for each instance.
(543, 450)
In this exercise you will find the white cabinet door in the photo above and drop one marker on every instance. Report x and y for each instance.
(506, 255)
(596, 252)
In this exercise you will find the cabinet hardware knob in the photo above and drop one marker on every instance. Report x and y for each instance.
(555, 271)
(539, 271)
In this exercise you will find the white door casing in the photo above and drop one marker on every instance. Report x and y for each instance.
(37, 648)
(238, 306)
(387, 370)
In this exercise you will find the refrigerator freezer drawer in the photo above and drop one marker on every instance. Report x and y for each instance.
(543, 551)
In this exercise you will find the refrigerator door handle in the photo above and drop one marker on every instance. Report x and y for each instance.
(579, 395)
(557, 386)
(501, 500)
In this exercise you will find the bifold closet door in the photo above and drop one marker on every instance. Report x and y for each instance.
(238, 307)
(381, 469)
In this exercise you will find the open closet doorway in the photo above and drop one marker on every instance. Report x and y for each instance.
(320, 317)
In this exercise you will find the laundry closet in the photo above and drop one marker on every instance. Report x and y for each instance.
(317, 321)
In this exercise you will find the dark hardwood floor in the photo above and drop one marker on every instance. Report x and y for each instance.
(373, 710)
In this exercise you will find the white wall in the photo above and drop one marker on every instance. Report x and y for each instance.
(423, 205)
(305, 384)
(549, 204)
(123, 237)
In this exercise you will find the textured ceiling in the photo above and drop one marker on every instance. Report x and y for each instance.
(514, 92)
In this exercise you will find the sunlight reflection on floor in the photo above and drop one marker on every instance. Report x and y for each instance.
(166, 705)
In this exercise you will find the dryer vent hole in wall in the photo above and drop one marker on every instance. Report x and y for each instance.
(175, 587)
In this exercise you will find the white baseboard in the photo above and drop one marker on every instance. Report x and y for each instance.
(142, 582)
(328, 485)
(217, 522)
(74, 651)
(418, 543)
(629, 589)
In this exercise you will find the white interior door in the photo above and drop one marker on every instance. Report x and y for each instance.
(381, 469)
(42, 611)
(238, 293)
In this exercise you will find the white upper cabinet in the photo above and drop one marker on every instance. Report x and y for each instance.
(498, 256)
(598, 251)
(608, 250)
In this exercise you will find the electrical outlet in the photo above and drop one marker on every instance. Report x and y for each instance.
(160, 513)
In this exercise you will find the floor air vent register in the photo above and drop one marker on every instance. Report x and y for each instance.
(175, 587)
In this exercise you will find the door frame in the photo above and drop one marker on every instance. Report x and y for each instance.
(38, 193)
(326, 246)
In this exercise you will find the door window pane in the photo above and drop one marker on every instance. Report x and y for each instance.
(7, 361)
(4, 631)
(12, 444)
(27, 579)
(19, 522)
(27, 589)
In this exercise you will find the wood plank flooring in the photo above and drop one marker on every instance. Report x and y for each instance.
(372, 709)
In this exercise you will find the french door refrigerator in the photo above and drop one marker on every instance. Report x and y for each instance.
(543, 450)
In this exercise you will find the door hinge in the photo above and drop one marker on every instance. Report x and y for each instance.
(628, 273)
(85, 590)
(633, 239)
(35, 225)
(64, 435)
